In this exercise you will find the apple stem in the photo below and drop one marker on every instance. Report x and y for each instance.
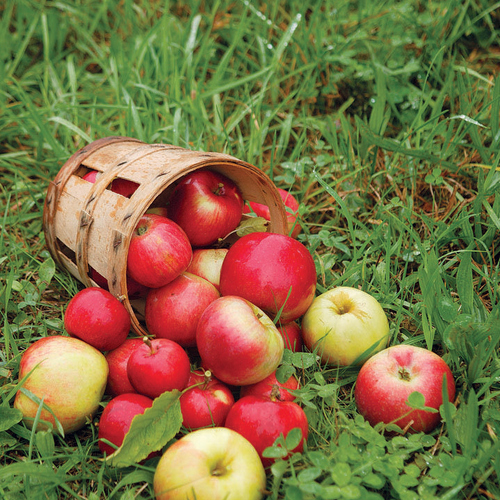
(220, 189)
(275, 393)
(208, 378)
(404, 374)
(148, 343)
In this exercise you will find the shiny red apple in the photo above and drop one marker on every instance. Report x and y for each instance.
(292, 335)
(273, 271)
(118, 382)
(292, 210)
(97, 317)
(207, 205)
(117, 417)
(262, 421)
(158, 366)
(172, 311)
(387, 379)
(207, 401)
(238, 342)
(270, 388)
(159, 251)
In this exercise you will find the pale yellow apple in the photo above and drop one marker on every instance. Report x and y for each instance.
(213, 463)
(345, 326)
(69, 374)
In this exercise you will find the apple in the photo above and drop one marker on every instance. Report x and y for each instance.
(238, 342)
(117, 417)
(172, 311)
(291, 204)
(210, 464)
(118, 382)
(262, 420)
(158, 366)
(206, 402)
(273, 271)
(292, 336)
(207, 205)
(97, 317)
(346, 326)
(159, 251)
(387, 379)
(271, 389)
(120, 186)
(135, 290)
(69, 374)
(207, 262)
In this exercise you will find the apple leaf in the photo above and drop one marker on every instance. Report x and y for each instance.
(416, 400)
(149, 431)
(252, 225)
(9, 417)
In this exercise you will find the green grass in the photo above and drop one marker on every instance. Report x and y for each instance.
(381, 117)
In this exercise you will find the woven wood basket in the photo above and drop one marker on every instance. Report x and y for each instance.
(86, 224)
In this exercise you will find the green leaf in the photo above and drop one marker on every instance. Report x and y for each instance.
(252, 225)
(149, 431)
(47, 270)
(9, 417)
(465, 287)
(417, 400)
(303, 359)
(341, 474)
(293, 438)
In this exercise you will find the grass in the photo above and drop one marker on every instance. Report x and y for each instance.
(382, 118)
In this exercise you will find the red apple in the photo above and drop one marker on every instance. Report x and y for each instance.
(159, 251)
(97, 317)
(292, 336)
(273, 271)
(173, 310)
(210, 464)
(270, 388)
(262, 421)
(206, 403)
(207, 262)
(120, 186)
(207, 205)
(387, 379)
(292, 206)
(118, 382)
(69, 374)
(158, 366)
(117, 417)
(238, 342)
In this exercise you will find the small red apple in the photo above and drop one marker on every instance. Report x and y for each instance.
(118, 382)
(387, 379)
(207, 205)
(158, 366)
(207, 262)
(292, 206)
(292, 336)
(238, 342)
(262, 421)
(97, 317)
(159, 251)
(117, 417)
(173, 310)
(206, 403)
(270, 388)
(273, 271)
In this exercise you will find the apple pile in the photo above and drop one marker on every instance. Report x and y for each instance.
(218, 320)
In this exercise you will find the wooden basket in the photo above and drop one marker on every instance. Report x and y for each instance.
(85, 224)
